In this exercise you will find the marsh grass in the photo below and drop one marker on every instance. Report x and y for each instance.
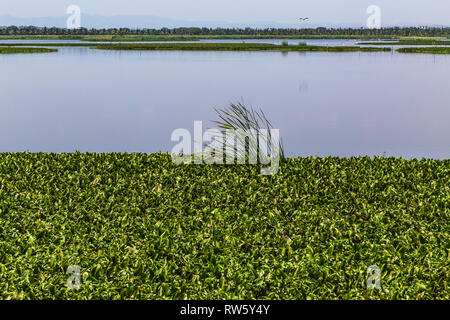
(411, 42)
(106, 38)
(205, 47)
(234, 47)
(239, 117)
(430, 50)
(13, 50)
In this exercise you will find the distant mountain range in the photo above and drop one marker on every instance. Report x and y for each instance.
(123, 21)
(155, 22)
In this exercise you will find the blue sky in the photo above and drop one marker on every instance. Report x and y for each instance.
(284, 11)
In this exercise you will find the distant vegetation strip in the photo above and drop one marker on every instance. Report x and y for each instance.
(12, 50)
(136, 38)
(80, 44)
(411, 42)
(431, 50)
(231, 47)
(100, 38)
(206, 47)
(321, 32)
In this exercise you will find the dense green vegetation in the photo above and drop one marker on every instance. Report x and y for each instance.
(301, 47)
(232, 47)
(433, 50)
(206, 47)
(104, 38)
(411, 42)
(12, 50)
(131, 38)
(37, 44)
(141, 227)
(392, 32)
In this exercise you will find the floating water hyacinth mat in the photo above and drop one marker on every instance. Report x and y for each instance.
(140, 227)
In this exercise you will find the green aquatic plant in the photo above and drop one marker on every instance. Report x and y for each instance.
(141, 227)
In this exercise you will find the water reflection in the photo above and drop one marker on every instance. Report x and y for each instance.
(341, 104)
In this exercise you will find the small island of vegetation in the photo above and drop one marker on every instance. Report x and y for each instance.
(233, 47)
(13, 50)
(411, 42)
(301, 47)
(431, 50)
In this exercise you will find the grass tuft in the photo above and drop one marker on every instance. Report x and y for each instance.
(239, 117)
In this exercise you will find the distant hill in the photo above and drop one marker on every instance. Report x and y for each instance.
(153, 22)
(124, 21)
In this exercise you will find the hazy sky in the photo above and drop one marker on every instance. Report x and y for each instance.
(285, 11)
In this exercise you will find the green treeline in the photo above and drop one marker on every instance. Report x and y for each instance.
(393, 32)
(103, 38)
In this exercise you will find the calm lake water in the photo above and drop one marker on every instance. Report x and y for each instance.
(340, 104)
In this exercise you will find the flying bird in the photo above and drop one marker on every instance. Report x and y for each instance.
(304, 19)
